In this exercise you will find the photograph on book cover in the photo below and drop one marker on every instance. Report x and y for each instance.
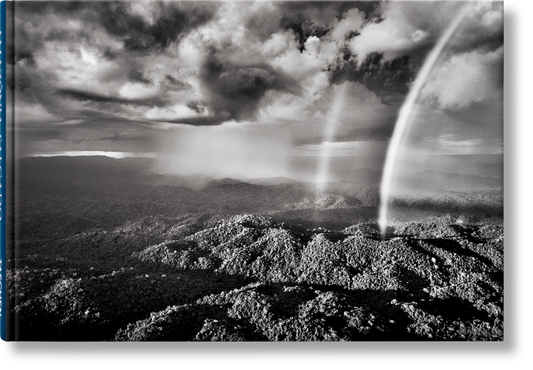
(255, 171)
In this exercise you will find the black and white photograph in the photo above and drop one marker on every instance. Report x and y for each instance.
(257, 171)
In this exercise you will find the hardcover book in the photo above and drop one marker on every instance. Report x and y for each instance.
(252, 171)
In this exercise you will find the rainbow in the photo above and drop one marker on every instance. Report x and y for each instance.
(330, 130)
(404, 118)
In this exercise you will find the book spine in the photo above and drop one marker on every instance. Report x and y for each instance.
(3, 256)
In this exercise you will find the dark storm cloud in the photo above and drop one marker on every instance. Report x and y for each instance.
(86, 96)
(236, 91)
(171, 21)
(46, 7)
(323, 11)
(382, 77)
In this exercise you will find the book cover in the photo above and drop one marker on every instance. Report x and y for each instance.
(252, 171)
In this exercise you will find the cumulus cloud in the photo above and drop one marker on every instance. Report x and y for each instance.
(351, 22)
(407, 27)
(465, 79)
(403, 26)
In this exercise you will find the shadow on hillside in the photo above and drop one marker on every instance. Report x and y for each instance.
(122, 299)
(283, 305)
(307, 312)
(93, 309)
(448, 245)
(455, 247)
(451, 308)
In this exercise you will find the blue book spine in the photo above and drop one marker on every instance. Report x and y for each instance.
(3, 256)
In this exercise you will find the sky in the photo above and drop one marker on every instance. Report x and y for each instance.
(256, 89)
